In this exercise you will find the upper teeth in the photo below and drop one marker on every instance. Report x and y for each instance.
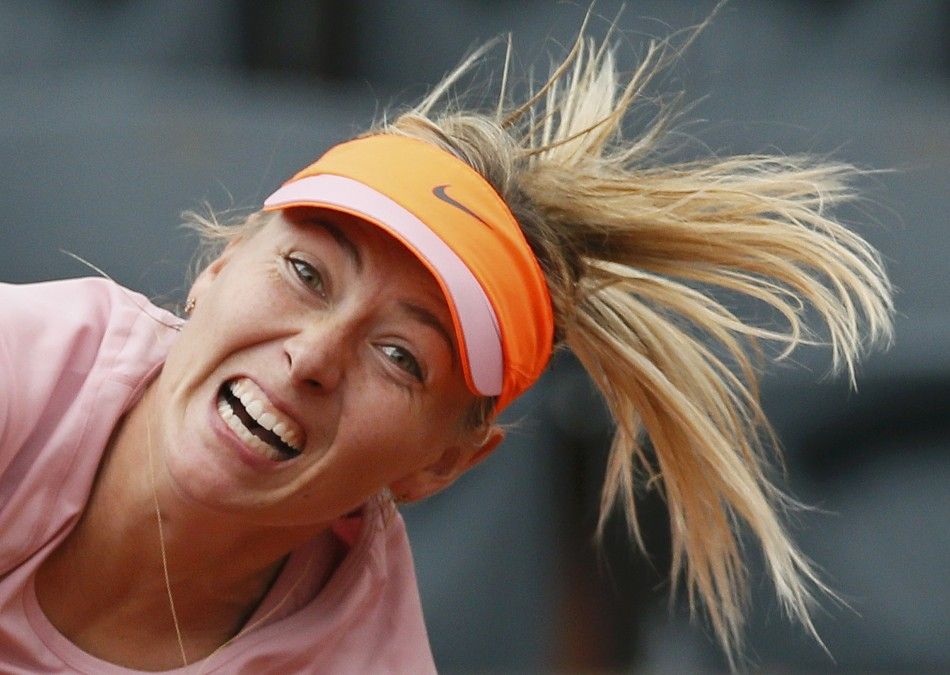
(259, 408)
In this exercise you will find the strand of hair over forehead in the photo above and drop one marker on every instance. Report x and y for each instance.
(641, 258)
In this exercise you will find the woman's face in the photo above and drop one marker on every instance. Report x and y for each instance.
(318, 368)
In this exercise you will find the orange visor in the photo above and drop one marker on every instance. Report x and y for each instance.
(463, 232)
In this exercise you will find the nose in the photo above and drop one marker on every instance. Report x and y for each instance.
(317, 354)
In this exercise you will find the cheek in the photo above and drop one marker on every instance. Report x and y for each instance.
(236, 311)
(389, 433)
(244, 295)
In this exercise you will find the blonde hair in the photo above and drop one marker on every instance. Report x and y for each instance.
(632, 249)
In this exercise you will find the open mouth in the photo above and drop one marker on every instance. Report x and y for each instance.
(251, 416)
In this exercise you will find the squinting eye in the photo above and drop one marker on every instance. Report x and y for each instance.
(403, 359)
(307, 274)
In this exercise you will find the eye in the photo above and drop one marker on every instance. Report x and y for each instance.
(403, 359)
(308, 274)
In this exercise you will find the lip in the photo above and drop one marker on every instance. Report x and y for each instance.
(224, 433)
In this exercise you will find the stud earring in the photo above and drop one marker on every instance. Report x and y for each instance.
(190, 305)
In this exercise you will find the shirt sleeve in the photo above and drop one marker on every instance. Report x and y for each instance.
(6, 381)
(50, 334)
(11, 337)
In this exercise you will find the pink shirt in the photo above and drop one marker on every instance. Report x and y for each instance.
(74, 355)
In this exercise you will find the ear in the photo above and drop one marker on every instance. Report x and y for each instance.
(451, 464)
(205, 278)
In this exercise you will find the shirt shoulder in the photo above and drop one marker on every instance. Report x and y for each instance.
(52, 336)
(73, 355)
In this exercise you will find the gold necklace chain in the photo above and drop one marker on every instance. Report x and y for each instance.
(168, 586)
(161, 541)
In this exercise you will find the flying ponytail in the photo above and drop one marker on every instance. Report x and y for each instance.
(635, 252)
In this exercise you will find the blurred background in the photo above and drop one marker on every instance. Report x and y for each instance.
(117, 115)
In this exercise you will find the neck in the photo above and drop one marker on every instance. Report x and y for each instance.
(110, 571)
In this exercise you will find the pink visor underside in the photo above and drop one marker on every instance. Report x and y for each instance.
(481, 338)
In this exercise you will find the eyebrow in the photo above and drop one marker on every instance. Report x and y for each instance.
(423, 315)
(349, 248)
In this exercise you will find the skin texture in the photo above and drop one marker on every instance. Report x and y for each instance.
(349, 337)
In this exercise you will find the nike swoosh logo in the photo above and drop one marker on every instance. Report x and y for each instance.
(439, 192)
